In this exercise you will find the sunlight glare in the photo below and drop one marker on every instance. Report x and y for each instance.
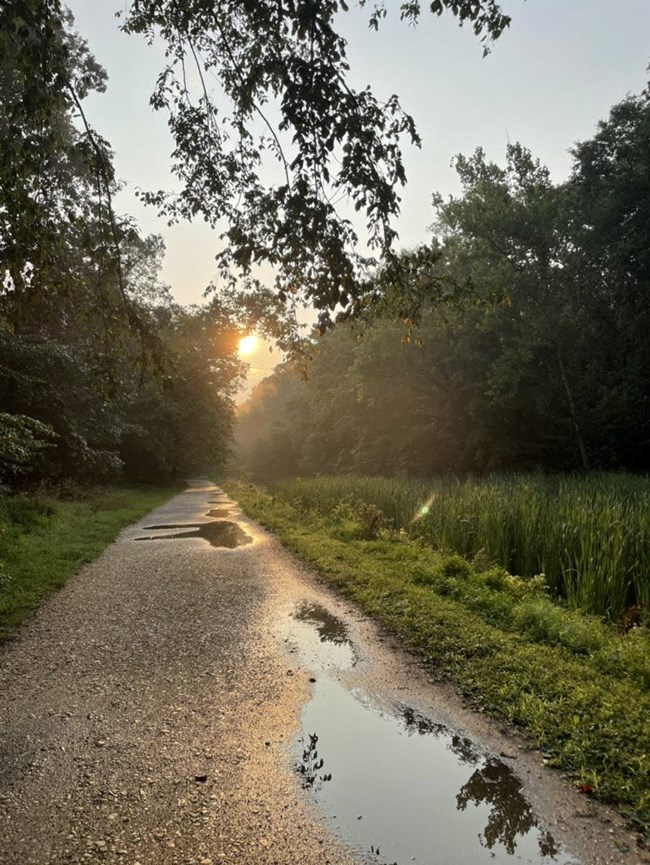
(424, 509)
(247, 345)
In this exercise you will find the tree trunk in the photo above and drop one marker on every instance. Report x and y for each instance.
(574, 420)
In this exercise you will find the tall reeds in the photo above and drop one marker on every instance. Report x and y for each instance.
(589, 535)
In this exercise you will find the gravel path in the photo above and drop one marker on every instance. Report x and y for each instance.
(146, 711)
(136, 708)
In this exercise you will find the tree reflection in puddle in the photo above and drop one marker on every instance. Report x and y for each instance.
(310, 765)
(330, 628)
(493, 783)
(510, 814)
(411, 788)
(218, 533)
(319, 638)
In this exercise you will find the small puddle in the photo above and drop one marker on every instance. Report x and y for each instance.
(320, 638)
(218, 513)
(219, 533)
(399, 788)
(330, 629)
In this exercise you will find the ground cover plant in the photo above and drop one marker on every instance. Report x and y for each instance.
(576, 685)
(45, 539)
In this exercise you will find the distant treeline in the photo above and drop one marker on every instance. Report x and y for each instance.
(532, 345)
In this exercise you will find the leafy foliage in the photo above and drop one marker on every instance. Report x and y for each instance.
(282, 97)
(95, 361)
(22, 440)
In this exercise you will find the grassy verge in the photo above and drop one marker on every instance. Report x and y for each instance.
(576, 687)
(44, 541)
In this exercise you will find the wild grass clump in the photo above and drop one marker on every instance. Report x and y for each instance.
(589, 535)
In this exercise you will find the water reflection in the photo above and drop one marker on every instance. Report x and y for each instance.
(330, 629)
(510, 816)
(319, 638)
(219, 533)
(218, 513)
(310, 765)
(459, 745)
(493, 783)
(403, 784)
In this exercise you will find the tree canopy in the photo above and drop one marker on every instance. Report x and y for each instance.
(532, 351)
(100, 373)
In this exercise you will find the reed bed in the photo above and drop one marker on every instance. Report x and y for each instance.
(589, 535)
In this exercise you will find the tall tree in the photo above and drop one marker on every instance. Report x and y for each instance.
(610, 225)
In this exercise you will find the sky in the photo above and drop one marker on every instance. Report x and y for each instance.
(548, 80)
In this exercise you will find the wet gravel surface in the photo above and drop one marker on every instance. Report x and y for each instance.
(144, 714)
(148, 712)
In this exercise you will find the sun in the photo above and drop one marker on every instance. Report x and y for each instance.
(247, 345)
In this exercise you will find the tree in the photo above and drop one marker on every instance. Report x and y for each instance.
(182, 422)
(610, 222)
(22, 442)
(507, 235)
(281, 70)
(532, 346)
(53, 178)
(271, 427)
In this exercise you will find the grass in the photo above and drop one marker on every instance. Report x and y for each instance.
(576, 686)
(44, 540)
(588, 535)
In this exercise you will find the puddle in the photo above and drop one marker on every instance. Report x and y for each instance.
(219, 533)
(320, 638)
(396, 786)
(403, 790)
(330, 629)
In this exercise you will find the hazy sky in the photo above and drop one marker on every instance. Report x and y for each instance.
(548, 80)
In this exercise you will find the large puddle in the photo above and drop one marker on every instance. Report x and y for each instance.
(396, 786)
(219, 533)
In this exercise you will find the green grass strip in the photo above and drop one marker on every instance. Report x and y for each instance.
(44, 541)
(591, 723)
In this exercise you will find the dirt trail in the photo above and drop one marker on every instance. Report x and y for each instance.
(149, 711)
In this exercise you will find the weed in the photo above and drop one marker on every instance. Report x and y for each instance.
(372, 521)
